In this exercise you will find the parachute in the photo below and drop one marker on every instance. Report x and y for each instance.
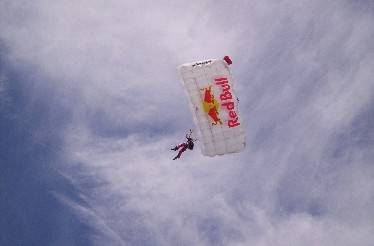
(214, 105)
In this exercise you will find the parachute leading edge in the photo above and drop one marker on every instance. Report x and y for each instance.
(214, 106)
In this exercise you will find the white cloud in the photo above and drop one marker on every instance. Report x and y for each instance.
(304, 74)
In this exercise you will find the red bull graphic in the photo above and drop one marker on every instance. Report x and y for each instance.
(227, 101)
(211, 105)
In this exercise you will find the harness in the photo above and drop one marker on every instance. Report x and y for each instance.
(190, 143)
(190, 140)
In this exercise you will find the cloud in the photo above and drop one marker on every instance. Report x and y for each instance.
(5, 100)
(303, 73)
(109, 54)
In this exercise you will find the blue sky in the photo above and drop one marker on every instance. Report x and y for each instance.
(91, 103)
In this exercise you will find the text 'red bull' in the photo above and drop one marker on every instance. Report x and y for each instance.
(226, 98)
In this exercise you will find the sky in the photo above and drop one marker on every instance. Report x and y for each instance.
(91, 103)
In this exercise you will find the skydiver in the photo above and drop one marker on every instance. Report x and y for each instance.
(189, 144)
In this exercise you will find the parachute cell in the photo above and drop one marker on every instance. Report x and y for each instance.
(214, 106)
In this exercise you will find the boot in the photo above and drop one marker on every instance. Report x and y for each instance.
(175, 148)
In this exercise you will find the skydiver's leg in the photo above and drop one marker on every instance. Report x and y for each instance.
(182, 145)
(178, 146)
(179, 154)
(181, 151)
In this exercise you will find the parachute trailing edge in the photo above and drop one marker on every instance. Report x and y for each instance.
(214, 105)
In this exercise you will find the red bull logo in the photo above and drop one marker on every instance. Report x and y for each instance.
(211, 106)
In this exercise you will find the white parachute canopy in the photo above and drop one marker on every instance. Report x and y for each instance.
(214, 105)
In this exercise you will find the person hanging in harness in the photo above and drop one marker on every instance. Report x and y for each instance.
(189, 144)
